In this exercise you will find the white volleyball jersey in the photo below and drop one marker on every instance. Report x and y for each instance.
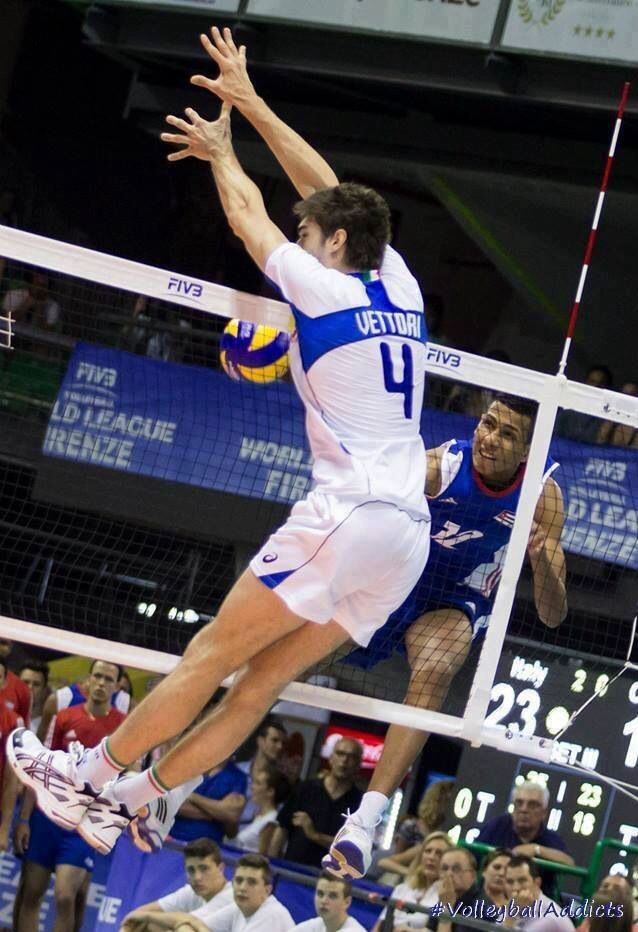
(357, 358)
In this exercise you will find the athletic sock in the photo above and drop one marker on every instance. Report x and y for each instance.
(371, 809)
(97, 766)
(139, 790)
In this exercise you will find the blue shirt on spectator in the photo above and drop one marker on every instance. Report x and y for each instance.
(228, 780)
(501, 833)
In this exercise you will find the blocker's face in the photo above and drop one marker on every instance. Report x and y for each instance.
(500, 443)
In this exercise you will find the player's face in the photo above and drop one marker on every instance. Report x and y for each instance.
(102, 681)
(204, 875)
(345, 759)
(250, 889)
(431, 856)
(35, 681)
(494, 874)
(500, 443)
(454, 864)
(311, 239)
(330, 901)
(529, 812)
(271, 744)
(520, 883)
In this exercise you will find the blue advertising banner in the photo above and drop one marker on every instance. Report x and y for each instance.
(194, 425)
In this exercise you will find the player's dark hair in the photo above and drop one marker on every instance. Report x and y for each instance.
(346, 884)
(494, 854)
(278, 782)
(119, 669)
(360, 211)
(271, 721)
(522, 406)
(203, 848)
(38, 666)
(258, 862)
(519, 860)
(612, 912)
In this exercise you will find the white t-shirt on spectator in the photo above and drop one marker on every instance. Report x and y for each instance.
(271, 916)
(409, 894)
(248, 837)
(318, 925)
(14, 298)
(185, 900)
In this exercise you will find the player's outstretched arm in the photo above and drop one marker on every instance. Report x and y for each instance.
(307, 170)
(241, 198)
(547, 557)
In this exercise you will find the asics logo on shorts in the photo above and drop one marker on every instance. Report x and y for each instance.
(269, 557)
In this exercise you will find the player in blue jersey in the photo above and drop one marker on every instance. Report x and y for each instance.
(354, 548)
(473, 488)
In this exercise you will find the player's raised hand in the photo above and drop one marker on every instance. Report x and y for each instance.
(201, 139)
(233, 84)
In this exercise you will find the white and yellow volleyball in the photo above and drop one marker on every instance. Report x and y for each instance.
(254, 352)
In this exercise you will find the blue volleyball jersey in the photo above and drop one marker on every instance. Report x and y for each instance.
(357, 358)
(471, 527)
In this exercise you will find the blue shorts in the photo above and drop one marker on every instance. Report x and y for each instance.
(50, 845)
(391, 637)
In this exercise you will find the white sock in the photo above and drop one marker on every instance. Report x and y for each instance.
(138, 790)
(97, 766)
(372, 808)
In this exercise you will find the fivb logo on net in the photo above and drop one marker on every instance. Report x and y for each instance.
(185, 288)
(441, 356)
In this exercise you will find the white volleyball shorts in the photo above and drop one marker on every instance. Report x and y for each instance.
(353, 561)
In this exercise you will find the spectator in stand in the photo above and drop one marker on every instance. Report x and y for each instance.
(620, 435)
(523, 887)
(493, 871)
(581, 427)
(47, 847)
(270, 790)
(457, 886)
(35, 675)
(430, 816)
(142, 334)
(524, 831)
(421, 884)
(465, 399)
(615, 889)
(214, 809)
(254, 908)
(75, 694)
(313, 813)
(8, 786)
(333, 898)
(14, 694)
(206, 886)
(31, 303)
(271, 738)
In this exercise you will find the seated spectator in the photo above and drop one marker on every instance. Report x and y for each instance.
(524, 831)
(31, 303)
(430, 816)
(581, 427)
(523, 887)
(493, 870)
(270, 788)
(457, 886)
(142, 334)
(421, 884)
(214, 810)
(620, 435)
(254, 907)
(615, 889)
(333, 898)
(35, 675)
(312, 816)
(271, 737)
(206, 886)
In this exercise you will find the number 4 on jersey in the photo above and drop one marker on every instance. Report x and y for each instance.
(406, 386)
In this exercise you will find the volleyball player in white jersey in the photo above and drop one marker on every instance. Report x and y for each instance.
(352, 551)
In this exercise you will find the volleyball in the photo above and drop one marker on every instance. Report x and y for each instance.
(254, 352)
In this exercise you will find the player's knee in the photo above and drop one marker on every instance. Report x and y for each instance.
(64, 900)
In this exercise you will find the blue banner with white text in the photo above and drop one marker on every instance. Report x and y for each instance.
(194, 425)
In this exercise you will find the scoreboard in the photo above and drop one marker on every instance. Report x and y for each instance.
(537, 696)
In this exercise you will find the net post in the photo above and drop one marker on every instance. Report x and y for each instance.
(476, 709)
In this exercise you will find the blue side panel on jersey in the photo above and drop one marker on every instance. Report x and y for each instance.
(272, 580)
(78, 696)
(319, 335)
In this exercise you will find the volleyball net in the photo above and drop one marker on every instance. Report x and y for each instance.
(137, 479)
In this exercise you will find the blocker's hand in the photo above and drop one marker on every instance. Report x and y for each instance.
(233, 84)
(201, 139)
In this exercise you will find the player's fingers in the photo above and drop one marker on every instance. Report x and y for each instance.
(193, 115)
(242, 53)
(224, 113)
(210, 49)
(230, 42)
(174, 138)
(176, 156)
(220, 42)
(199, 80)
(178, 123)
